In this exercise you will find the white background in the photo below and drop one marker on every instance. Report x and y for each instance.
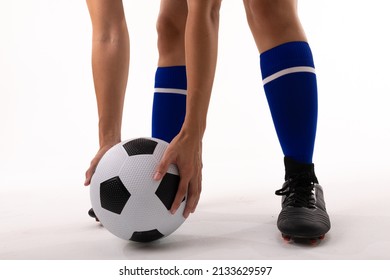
(48, 126)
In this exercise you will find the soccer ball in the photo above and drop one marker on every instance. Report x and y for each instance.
(127, 200)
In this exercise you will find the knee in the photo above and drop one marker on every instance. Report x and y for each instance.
(208, 8)
(214, 10)
(110, 31)
(269, 13)
(170, 30)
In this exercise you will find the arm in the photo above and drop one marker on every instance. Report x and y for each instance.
(110, 65)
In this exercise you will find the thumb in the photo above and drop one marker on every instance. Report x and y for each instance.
(163, 166)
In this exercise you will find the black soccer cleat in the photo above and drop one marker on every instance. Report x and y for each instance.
(303, 214)
(92, 214)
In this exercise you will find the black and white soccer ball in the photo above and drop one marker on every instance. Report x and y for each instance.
(127, 200)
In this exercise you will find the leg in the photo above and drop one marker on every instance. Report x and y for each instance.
(290, 85)
(292, 98)
(171, 24)
(110, 65)
(200, 53)
(169, 103)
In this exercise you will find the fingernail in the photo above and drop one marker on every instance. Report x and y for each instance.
(157, 176)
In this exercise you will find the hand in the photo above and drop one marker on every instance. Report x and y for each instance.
(186, 152)
(95, 161)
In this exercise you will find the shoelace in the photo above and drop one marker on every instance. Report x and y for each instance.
(298, 191)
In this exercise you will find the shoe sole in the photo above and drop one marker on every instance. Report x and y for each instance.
(303, 240)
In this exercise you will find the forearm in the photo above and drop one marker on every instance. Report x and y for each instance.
(201, 43)
(110, 63)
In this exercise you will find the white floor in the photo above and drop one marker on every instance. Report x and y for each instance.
(225, 226)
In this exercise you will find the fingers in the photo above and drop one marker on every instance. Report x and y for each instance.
(189, 163)
(163, 166)
(191, 187)
(180, 195)
(192, 199)
(94, 163)
(198, 195)
(88, 176)
(90, 172)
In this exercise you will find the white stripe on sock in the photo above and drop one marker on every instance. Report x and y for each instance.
(288, 71)
(171, 90)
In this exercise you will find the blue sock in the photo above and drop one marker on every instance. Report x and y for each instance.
(169, 103)
(291, 88)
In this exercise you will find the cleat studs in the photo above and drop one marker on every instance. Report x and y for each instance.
(286, 237)
(303, 240)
